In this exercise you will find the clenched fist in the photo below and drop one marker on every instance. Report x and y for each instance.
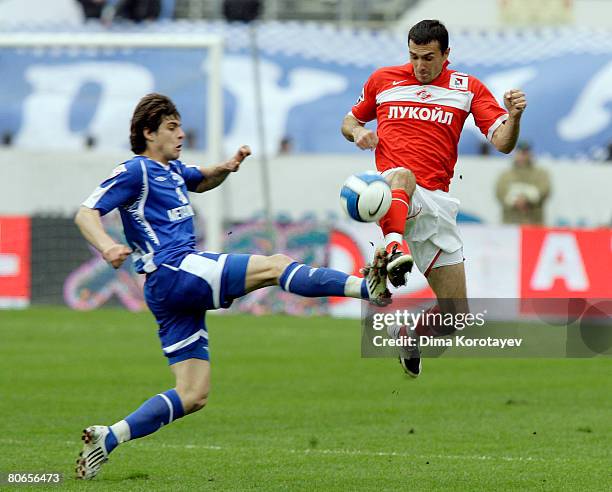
(241, 154)
(116, 254)
(515, 102)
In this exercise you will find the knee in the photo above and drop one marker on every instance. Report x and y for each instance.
(199, 403)
(277, 264)
(403, 178)
(193, 400)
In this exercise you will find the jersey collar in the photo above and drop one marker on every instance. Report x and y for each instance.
(410, 69)
(165, 166)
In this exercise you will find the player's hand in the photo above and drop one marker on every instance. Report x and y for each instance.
(116, 254)
(364, 138)
(241, 154)
(515, 102)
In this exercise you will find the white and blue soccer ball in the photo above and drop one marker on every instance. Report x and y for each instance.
(366, 197)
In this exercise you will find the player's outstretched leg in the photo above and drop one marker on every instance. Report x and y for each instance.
(99, 441)
(307, 281)
(393, 225)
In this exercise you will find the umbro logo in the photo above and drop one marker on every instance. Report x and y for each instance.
(160, 178)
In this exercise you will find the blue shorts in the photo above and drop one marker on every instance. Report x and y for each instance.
(179, 297)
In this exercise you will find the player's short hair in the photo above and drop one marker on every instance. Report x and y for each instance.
(427, 31)
(149, 113)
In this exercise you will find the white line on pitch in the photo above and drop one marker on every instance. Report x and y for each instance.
(346, 452)
(360, 452)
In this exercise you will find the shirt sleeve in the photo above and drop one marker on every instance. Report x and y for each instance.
(121, 188)
(488, 114)
(192, 176)
(365, 107)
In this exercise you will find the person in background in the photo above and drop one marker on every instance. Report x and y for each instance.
(138, 10)
(286, 146)
(92, 9)
(523, 189)
(131, 10)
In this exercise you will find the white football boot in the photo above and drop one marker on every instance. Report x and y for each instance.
(94, 453)
(376, 279)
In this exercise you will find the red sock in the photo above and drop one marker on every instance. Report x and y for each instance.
(394, 221)
(429, 328)
(402, 333)
(433, 326)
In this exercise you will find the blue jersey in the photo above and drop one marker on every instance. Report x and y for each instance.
(154, 206)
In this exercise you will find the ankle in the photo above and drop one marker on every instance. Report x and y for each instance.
(394, 247)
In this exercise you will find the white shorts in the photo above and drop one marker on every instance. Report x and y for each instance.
(431, 228)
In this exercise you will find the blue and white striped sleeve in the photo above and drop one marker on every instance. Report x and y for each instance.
(121, 188)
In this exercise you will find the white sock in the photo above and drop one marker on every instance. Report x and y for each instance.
(122, 431)
(393, 237)
(352, 287)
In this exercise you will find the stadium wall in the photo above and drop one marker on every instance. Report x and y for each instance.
(43, 260)
(303, 185)
(510, 262)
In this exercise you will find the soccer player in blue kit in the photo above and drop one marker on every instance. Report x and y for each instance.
(151, 192)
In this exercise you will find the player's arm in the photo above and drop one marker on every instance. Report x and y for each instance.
(363, 110)
(215, 175)
(354, 131)
(89, 223)
(122, 187)
(506, 135)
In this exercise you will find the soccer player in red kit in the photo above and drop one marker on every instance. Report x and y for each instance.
(420, 109)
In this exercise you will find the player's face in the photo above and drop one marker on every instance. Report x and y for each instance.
(167, 141)
(427, 60)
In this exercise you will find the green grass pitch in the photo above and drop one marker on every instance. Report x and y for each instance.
(294, 407)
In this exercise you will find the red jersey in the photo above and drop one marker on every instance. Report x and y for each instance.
(419, 125)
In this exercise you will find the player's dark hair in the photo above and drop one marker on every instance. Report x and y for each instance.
(427, 31)
(149, 113)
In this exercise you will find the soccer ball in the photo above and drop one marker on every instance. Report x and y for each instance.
(365, 197)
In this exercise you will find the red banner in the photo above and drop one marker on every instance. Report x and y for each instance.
(14, 261)
(566, 263)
